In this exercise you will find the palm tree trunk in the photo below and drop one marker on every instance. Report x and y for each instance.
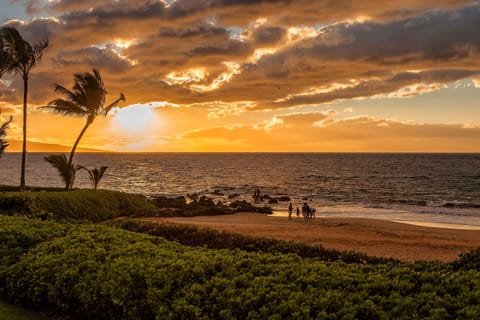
(24, 144)
(74, 148)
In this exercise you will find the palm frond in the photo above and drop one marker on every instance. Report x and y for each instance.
(6, 62)
(66, 108)
(23, 55)
(4, 127)
(19, 50)
(3, 132)
(38, 49)
(66, 171)
(95, 174)
(107, 109)
(70, 95)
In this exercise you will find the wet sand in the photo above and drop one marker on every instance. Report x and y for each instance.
(380, 238)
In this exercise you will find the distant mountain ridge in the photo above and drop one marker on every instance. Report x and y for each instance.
(16, 146)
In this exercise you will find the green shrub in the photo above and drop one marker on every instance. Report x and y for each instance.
(97, 272)
(469, 260)
(100, 205)
(89, 205)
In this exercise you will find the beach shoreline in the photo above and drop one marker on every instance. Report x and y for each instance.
(376, 237)
(418, 219)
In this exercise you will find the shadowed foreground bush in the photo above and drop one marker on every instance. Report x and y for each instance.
(98, 272)
(199, 237)
(89, 205)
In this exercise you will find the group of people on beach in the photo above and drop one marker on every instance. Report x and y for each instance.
(307, 211)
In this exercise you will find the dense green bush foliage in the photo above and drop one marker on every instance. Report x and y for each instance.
(90, 205)
(469, 260)
(99, 272)
(101, 205)
(194, 236)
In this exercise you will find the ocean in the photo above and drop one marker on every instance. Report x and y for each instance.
(430, 188)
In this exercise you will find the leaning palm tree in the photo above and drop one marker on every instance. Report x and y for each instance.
(3, 132)
(94, 174)
(22, 56)
(66, 170)
(86, 100)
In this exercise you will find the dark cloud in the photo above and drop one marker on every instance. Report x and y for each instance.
(231, 48)
(437, 35)
(242, 12)
(268, 36)
(105, 59)
(369, 88)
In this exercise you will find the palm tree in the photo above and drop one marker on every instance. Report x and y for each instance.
(22, 56)
(66, 170)
(95, 174)
(86, 100)
(3, 133)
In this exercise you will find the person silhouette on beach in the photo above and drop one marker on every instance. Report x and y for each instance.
(256, 194)
(290, 210)
(305, 210)
(298, 212)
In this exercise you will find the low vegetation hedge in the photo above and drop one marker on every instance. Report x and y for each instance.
(200, 237)
(101, 205)
(88, 205)
(98, 272)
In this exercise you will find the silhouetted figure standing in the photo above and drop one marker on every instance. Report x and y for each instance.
(298, 212)
(256, 194)
(290, 210)
(305, 210)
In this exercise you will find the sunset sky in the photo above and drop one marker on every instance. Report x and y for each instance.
(244, 75)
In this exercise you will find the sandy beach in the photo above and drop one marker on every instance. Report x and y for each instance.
(381, 238)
